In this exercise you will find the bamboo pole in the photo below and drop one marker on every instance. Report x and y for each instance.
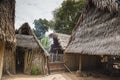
(2, 47)
(67, 68)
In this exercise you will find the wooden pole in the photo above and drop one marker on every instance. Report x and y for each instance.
(67, 68)
(2, 47)
(56, 59)
(80, 63)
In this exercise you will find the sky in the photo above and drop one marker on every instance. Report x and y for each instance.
(29, 10)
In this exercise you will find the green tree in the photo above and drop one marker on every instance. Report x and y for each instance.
(45, 42)
(67, 15)
(41, 27)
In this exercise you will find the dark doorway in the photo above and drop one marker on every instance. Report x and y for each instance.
(20, 60)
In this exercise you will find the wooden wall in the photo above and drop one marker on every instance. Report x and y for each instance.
(90, 62)
(39, 61)
(72, 61)
(9, 61)
(2, 48)
(28, 61)
(34, 58)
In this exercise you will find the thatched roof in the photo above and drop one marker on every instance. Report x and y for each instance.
(26, 41)
(7, 16)
(98, 29)
(26, 38)
(63, 38)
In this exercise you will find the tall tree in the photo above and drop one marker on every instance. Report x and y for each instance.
(41, 26)
(67, 15)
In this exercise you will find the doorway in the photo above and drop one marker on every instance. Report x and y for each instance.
(20, 60)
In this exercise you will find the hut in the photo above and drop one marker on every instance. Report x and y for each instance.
(63, 39)
(60, 42)
(96, 34)
(31, 57)
(7, 33)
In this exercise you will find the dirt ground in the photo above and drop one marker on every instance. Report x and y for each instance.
(58, 76)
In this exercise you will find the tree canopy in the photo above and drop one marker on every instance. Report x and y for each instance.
(65, 18)
(41, 27)
(67, 15)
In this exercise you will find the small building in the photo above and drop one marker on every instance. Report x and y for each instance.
(60, 42)
(7, 33)
(97, 34)
(30, 54)
(63, 39)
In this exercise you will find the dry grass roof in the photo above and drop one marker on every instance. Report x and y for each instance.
(98, 29)
(63, 39)
(7, 16)
(26, 38)
(27, 41)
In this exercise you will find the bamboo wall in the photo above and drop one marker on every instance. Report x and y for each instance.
(39, 61)
(2, 48)
(90, 62)
(9, 61)
(34, 59)
(28, 61)
(72, 61)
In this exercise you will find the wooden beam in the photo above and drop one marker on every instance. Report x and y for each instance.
(80, 63)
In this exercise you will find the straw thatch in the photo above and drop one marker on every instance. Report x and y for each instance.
(26, 38)
(98, 29)
(27, 41)
(63, 38)
(7, 32)
(7, 13)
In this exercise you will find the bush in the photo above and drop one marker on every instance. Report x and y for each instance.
(35, 71)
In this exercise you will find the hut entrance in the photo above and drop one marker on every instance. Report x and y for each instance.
(20, 59)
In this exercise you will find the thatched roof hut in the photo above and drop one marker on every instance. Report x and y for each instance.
(7, 32)
(97, 31)
(28, 44)
(63, 38)
(96, 34)
(26, 38)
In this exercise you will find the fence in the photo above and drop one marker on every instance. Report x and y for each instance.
(56, 57)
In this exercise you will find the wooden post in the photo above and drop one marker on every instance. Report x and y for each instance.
(80, 63)
(2, 47)
(56, 56)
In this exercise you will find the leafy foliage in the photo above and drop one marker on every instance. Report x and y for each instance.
(35, 71)
(45, 42)
(67, 15)
(41, 26)
(65, 18)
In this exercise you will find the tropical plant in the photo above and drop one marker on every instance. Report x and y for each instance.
(35, 71)
(45, 42)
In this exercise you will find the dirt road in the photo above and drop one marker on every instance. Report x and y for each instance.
(60, 76)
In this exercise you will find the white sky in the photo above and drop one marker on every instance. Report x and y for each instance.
(29, 10)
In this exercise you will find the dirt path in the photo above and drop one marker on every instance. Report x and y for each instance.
(60, 76)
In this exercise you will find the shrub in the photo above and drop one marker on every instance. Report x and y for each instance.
(35, 71)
